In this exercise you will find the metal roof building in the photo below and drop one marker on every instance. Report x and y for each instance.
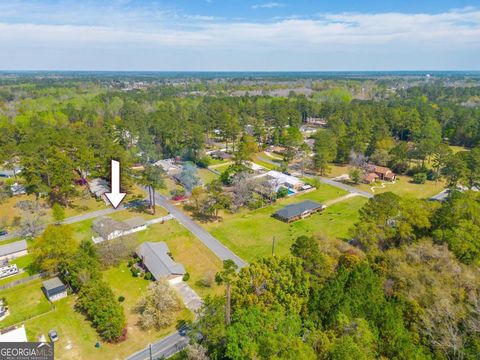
(155, 258)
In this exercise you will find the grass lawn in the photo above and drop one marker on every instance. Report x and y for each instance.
(404, 186)
(24, 301)
(76, 336)
(260, 160)
(206, 176)
(250, 233)
(132, 213)
(186, 249)
(170, 186)
(221, 168)
(12, 278)
(80, 205)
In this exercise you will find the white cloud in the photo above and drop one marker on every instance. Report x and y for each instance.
(347, 40)
(269, 5)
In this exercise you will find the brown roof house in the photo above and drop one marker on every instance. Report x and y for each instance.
(376, 172)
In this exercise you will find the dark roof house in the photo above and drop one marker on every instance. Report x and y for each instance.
(298, 211)
(155, 258)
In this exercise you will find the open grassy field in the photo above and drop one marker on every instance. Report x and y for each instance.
(79, 205)
(405, 186)
(250, 233)
(206, 176)
(186, 249)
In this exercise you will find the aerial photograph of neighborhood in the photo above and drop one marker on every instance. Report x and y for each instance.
(239, 179)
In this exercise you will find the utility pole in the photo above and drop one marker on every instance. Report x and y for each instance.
(273, 246)
(150, 350)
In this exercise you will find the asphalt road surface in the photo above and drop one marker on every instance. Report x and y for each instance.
(165, 347)
(203, 235)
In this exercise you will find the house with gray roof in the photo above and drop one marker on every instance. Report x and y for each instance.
(98, 187)
(13, 250)
(298, 211)
(109, 229)
(156, 259)
(54, 289)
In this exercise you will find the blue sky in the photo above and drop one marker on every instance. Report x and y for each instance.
(239, 35)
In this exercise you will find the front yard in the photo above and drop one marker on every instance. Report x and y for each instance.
(250, 233)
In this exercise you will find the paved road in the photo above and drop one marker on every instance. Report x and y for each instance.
(345, 187)
(203, 235)
(165, 347)
(70, 220)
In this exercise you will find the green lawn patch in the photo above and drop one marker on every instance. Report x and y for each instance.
(250, 233)
(206, 176)
(25, 301)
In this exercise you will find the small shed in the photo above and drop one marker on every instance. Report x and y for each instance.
(54, 289)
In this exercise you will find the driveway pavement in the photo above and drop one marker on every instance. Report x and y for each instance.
(190, 298)
(345, 187)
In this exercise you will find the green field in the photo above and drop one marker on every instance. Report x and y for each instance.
(250, 233)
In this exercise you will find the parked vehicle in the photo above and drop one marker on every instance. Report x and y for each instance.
(53, 335)
(3, 232)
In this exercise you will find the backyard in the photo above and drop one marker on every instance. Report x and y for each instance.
(250, 233)
(76, 336)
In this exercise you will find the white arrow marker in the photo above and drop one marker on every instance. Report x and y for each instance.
(115, 197)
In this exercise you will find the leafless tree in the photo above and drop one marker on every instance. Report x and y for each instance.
(157, 308)
(32, 212)
(113, 251)
(196, 352)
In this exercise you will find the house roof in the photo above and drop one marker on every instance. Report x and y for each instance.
(16, 335)
(381, 169)
(371, 177)
(282, 178)
(293, 210)
(155, 257)
(221, 154)
(135, 222)
(98, 186)
(104, 226)
(13, 247)
(53, 283)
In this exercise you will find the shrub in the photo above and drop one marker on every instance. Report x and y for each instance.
(186, 277)
(419, 178)
(135, 271)
(282, 192)
(121, 298)
(148, 276)
(97, 301)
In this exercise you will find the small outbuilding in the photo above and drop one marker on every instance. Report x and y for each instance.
(298, 211)
(13, 250)
(54, 289)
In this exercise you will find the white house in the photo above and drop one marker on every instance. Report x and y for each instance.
(109, 229)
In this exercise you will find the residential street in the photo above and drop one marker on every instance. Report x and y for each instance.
(165, 347)
(204, 236)
(71, 220)
(345, 187)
